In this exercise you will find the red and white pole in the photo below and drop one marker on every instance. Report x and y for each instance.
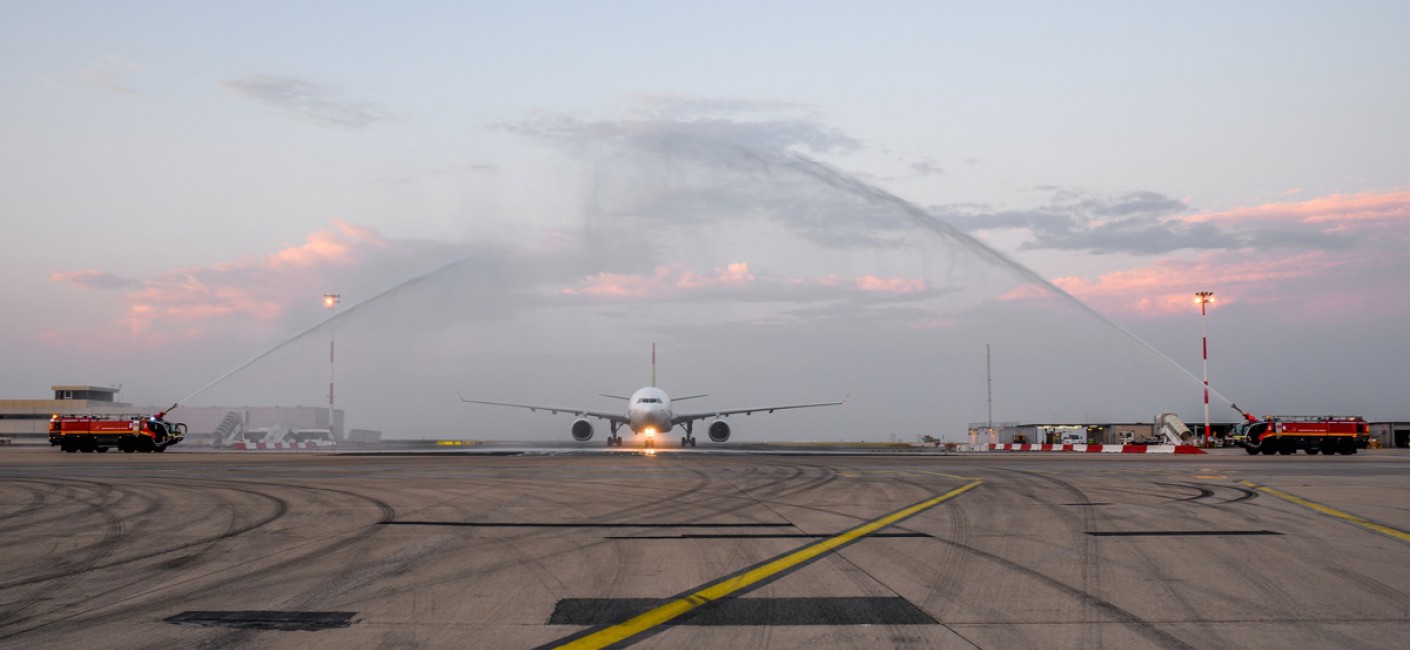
(330, 300)
(1204, 298)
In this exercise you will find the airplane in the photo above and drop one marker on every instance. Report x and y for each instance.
(649, 412)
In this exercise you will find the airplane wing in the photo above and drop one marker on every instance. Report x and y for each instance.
(619, 418)
(682, 418)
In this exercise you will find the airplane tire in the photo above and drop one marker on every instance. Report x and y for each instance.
(692, 442)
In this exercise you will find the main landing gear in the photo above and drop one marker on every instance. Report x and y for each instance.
(689, 439)
(613, 438)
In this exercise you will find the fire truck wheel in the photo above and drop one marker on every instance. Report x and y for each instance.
(1252, 451)
(69, 448)
(159, 449)
(1312, 451)
(101, 450)
(1268, 448)
(127, 449)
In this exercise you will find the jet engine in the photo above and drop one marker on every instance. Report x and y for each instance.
(719, 431)
(582, 430)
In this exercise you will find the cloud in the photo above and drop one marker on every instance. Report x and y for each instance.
(1335, 214)
(1165, 287)
(308, 101)
(1150, 223)
(1344, 251)
(890, 285)
(105, 74)
(706, 172)
(679, 107)
(665, 282)
(926, 167)
(1144, 223)
(176, 302)
(92, 279)
(680, 122)
(675, 282)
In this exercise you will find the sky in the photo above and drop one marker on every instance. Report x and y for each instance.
(796, 201)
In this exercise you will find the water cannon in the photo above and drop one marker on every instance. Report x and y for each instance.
(1247, 416)
(162, 414)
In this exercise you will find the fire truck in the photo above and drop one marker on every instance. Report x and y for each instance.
(1285, 434)
(99, 433)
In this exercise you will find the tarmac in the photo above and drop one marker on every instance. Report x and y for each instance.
(703, 550)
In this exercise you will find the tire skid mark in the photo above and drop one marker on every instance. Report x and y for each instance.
(64, 490)
(1203, 492)
(281, 508)
(195, 547)
(36, 501)
(1090, 566)
(1149, 631)
(184, 589)
(113, 531)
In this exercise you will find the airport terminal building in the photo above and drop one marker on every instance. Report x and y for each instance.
(26, 421)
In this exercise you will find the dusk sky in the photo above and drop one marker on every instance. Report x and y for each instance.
(795, 201)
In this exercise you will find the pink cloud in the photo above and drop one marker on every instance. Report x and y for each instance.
(92, 279)
(181, 303)
(328, 246)
(1335, 213)
(667, 280)
(1167, 286)
(890, 285)
(1364, 276)
(675, 280)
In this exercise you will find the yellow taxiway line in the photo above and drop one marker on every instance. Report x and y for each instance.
(720, 589)
(1359, 521)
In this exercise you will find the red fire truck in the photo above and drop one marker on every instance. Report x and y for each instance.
(1285, 434)
(90, 433)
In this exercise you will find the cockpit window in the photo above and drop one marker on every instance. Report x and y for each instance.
(648, 400)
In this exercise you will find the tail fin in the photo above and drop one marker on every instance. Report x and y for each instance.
(653, 364)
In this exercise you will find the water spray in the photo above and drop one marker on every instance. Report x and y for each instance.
(344, 314)
(840, 181)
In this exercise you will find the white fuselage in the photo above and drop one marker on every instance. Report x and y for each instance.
(649, 411)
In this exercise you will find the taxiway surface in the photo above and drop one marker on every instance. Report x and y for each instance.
(703, 550)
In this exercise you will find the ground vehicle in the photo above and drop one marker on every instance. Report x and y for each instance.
(1285, 434)
(90, 433)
